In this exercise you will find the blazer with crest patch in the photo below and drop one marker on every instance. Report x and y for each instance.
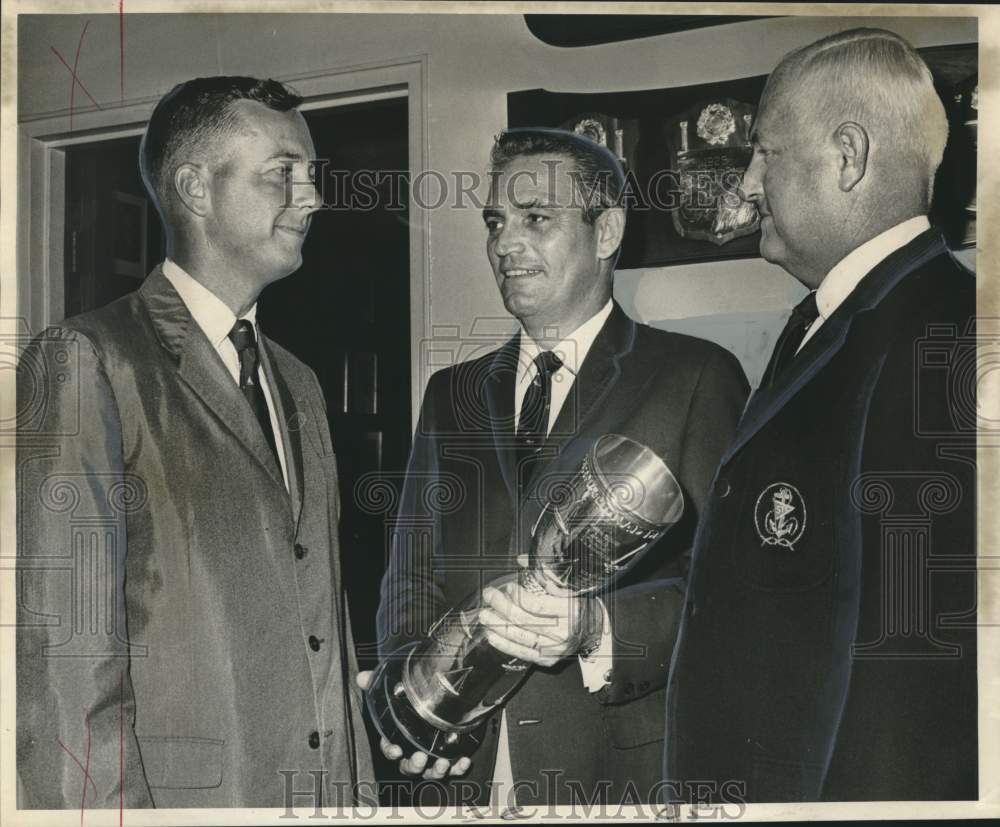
(828, 645)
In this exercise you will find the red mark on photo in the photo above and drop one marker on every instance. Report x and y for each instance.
(121, 749)
(75, 79)
(84, 768)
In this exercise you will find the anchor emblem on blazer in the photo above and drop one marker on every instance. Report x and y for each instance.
(780, 515)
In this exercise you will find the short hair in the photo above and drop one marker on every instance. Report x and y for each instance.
(597, 173)
(873, 77)
(193, 116)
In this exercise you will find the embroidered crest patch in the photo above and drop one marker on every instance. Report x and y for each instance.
(780, 515)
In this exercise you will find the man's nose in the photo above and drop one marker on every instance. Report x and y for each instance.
(305, 196)
(508, 240)
(752, 185)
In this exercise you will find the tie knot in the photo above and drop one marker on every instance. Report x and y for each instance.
(242, 336)
(807, 309)
(547, 363)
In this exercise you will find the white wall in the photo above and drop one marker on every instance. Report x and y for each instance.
(473, 61)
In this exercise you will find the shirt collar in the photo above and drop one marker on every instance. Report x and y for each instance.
(210, 313)
(848, 272)
(572, 350)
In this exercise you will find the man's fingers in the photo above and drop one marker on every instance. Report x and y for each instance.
(414, 765)
(363, 679)
(438, 770)
(540, 605)
(510, 647)
(545, 657)
(500, 610)
(461, 766)
(544, 604)
(499, 626)
(390, 751)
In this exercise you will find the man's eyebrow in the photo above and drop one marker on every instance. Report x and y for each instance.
(287, 153)
(534, 204)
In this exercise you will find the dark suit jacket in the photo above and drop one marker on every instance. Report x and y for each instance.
(169, 582)
(842, 666)
(678, 395)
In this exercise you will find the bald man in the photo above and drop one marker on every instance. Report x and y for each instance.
(828, 646)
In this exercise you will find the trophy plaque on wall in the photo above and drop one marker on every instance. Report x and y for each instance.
(709, 151)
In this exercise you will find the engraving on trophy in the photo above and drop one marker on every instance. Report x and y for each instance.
(435, 694)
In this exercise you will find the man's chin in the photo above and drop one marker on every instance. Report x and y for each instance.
(285, 269)
(772, 250)
(517, 302)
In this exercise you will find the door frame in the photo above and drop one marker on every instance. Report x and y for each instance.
(41, 173)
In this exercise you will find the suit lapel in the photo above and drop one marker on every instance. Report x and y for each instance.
(599, 374)
(202, 369)
(289, 422)
(819, 350)
(500, 402)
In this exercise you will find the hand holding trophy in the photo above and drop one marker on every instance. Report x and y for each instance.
(540, 628)
(433, 695)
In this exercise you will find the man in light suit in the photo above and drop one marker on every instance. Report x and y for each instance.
(828, 646)
(587, 723)
(182, 635)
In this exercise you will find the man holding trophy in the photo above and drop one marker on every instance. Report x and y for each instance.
(528, 620)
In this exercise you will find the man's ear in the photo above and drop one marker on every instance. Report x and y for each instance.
(610, 230)
(192, 188)
(852, 143)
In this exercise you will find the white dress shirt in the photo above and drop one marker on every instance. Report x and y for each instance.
(571, 351)
(216, 320)
(848, 272)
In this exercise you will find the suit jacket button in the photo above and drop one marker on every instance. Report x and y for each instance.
(314, 643)
(314, 740)
(722, 488)
(300, 551)
(643, 686)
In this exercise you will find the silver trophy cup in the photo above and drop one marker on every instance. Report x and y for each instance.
(434, 695)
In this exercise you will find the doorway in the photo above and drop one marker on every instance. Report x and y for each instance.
(345, 312)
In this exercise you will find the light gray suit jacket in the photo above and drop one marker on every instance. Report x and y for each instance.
(181, 626)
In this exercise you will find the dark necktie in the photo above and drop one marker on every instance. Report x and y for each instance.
(803, 315)
(243, 339)
(533, 423)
